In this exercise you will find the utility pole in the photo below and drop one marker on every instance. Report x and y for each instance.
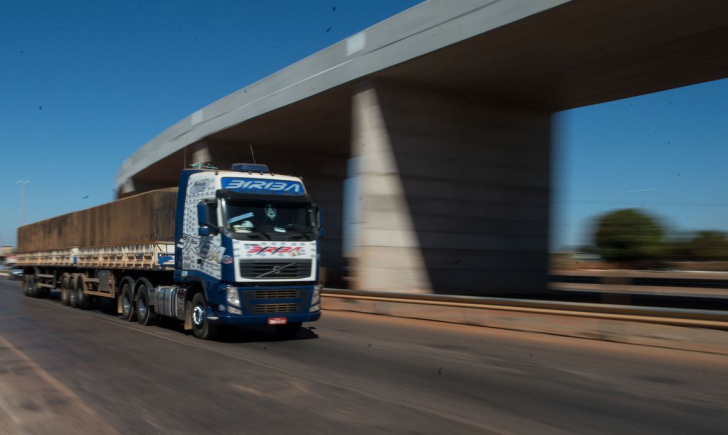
(22, 184)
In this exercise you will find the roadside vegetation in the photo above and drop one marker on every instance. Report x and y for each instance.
(634, 239)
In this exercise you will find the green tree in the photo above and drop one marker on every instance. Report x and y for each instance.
(707, 246)
(627, 236)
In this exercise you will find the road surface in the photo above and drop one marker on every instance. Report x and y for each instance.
(67, 371)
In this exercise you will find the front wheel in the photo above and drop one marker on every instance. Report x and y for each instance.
(289, 330)
(201, 326)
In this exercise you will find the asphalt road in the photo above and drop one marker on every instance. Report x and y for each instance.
(67, 371)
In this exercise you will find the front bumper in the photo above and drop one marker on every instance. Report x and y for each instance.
(232, 319)
(255, 305)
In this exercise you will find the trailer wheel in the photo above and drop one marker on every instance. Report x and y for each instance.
(26, 278)
(201, 326)
(145, 315)
(32, 286)
(73, 292)
(126, 302)
(65, 288)
(288, 331)
(83, 301)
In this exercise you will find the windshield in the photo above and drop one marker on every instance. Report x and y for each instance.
(273, 220)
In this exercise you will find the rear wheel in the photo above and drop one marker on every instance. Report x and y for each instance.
(126, 302)
(65, 288)
(201, 326)
(32, 286)
(83, 300)
(145, 315)
(289, 330)
(26, 278)
(73, 292)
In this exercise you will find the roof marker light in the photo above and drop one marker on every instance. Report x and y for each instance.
(250, 167)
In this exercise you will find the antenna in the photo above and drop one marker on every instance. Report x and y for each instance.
(251, 152)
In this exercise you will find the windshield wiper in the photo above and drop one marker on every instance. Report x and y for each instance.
(258, 233)
(299, 229)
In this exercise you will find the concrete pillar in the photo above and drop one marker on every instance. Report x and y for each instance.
(128, 188)
(388, 256)
(202, 154)
(454, 193)
(135, 185)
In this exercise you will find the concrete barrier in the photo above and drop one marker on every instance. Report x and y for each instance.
(592, 328)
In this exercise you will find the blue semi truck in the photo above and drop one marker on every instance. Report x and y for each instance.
(223, 248)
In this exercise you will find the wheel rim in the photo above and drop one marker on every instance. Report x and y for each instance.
(198, 315)
(142, 307)
(126, 304)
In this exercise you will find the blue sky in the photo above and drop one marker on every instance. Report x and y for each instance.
(666, 153)
(85, 84)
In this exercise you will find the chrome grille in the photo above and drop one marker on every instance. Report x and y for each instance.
(276, 308)
(275, 269)
(276, 294)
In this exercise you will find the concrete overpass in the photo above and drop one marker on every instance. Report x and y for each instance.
(446, 111)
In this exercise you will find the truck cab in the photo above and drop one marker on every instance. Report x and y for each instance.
(248, 239)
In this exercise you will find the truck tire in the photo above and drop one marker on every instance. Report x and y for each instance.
(289, 330)
(32, 286)
(26, 278)
(83, 301)
(145, 314)
(65, 288)
(126, 301)
(72, 292)
(201, 327)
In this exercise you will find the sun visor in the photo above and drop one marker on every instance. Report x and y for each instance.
(233, 194)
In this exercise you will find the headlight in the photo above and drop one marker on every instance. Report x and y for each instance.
(314, 308)
(233, 297)
(316, 294)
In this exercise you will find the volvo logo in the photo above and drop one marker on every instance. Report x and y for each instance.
(275, 270)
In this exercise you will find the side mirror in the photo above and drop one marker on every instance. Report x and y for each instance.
(319, 214)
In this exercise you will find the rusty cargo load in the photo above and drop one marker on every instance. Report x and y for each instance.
(146, 218)
(131, 233)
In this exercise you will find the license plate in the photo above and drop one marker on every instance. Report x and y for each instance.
(277, 320)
